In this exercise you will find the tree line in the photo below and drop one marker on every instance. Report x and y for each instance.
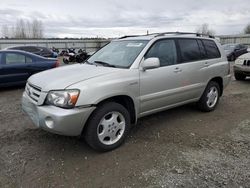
(24, 29)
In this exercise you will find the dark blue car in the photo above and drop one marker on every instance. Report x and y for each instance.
(17, 66)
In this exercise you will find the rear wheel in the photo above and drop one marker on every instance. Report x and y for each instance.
(107, 127)
(210, 97)
(239, 76)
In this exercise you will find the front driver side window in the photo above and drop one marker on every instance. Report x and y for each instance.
(165, 50)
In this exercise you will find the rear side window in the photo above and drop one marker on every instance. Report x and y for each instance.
(165, 50)
(28, 60)
(12, 58)
(189, 50)
(211, 49)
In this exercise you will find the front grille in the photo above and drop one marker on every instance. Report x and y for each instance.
(246, 63)
(33, 91)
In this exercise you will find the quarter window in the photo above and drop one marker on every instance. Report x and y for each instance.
(165, 50)
(189, 50)
(212, 49)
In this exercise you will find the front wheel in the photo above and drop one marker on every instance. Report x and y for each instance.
(107, 127)
(210, 97)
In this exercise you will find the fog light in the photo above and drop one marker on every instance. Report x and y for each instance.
(49, 122)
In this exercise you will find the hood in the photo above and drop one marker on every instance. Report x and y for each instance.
(63, 77)
(228, 52)
(245, 56)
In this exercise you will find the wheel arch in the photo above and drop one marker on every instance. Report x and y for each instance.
(125, 101)
(218, 80)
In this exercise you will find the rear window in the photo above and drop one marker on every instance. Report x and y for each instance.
(211, 49)
(189, 50)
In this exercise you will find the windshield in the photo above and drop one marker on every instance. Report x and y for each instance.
(119, 53)
(229, 46)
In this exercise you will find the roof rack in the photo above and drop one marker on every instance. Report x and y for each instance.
(126, 36)
(169, 33)
(183, 33)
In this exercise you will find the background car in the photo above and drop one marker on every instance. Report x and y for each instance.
(42, 51)
(17, 66)
(234, 50)
(242, 67)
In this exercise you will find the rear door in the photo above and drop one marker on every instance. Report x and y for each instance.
(192, 66)
(13, 68)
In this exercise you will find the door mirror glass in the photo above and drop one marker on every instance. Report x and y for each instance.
(151, 63)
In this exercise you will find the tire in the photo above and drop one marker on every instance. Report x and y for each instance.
(66, 61)
(103, 133)
(239, 76)
(207, 104)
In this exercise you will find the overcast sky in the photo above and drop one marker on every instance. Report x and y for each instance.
(112, 18)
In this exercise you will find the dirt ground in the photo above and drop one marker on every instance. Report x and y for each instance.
(182, 147)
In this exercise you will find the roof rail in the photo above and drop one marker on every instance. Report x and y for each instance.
(183, 33)
(126, 36)
(168, 33)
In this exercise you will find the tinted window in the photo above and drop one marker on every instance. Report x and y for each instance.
(189, 50)
(211, 49)
(31, 49)
(165, 50)
(202, 49)
(12, 58)
(0, 58)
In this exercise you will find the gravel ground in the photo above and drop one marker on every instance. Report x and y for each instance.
(181, 147)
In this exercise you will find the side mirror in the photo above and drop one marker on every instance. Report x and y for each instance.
(150, 63)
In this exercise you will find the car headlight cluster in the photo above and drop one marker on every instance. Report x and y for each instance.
(63, 98)
(239, 61)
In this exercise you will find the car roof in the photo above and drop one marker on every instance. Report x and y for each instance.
(26, 46)
(167, 35)
(23, 52)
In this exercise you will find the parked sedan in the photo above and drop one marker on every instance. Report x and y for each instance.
(38, 50)
(242, 67)
(17, 66)
(234, 50)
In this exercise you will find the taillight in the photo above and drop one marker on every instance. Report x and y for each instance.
(57, 63)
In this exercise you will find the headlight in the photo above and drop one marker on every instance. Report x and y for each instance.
(239, 61)
(63, 98)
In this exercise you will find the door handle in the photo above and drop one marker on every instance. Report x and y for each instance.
(206, 64)
(177, 69)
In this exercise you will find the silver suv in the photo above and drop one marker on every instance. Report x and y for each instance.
(129, 78)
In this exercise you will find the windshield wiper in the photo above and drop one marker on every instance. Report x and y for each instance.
(104, 64)
(87, 62)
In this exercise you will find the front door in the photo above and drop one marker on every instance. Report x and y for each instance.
(160, 87)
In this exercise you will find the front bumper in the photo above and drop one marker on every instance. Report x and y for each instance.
(242, 69)
(68, 122)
